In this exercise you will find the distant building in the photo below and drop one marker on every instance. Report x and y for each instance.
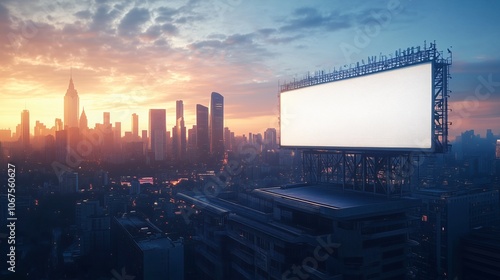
(270, 139)
(216, 124)
(179, 132)
(5, 135)
(25, 129)
(228, 139)
(71, 106)
(202, 134)
(106, 118)
(61, 145)
(497, 151)
(191, 144)
(69, 182)
(84, 124)
(135, 125)
(447, 216)
(144, 250)
(301, 232)
(58, 124)
(117, 133)
(158, 134)
(135, 187)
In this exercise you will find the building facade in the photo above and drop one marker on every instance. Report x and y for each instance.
(301, 232)
(158, 134)
(216, 124)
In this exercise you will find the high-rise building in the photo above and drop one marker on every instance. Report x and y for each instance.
(71, 106)
(447, 216)
(216, 124)
(93, 227)
(106, 118)
(202, 139)
(158, 133)
(179, 132)
(58, 124)
(191, 144)
(270, 139)
(25, 128)
(135, 125)
(83, 121)
(144, 250)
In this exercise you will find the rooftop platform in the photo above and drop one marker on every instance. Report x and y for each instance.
(146, 235)
(330, 200)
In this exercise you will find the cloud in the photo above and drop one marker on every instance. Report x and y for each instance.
(235, 48)
(102, 18)
(165, 14)
(308, 18)
(85, 14)
(475, 80)
(10, 40)
(132, 22)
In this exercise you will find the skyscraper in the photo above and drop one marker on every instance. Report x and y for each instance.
(270, 139)
(25, 128)
(202, 140)
(216, 124)
(58, 124)
(158, 133)
(179, 135)
(106, 118)
(83, 121)
(135, 125)
(71, 106)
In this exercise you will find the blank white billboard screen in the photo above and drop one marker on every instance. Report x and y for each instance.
(386, 110)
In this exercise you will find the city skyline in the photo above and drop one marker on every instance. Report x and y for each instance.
(130, 57)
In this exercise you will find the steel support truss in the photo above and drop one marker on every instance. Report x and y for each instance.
(378, 173)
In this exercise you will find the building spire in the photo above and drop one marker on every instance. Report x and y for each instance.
(71, 85)
(83, 120)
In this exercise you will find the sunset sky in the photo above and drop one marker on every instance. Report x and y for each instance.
(130, 56)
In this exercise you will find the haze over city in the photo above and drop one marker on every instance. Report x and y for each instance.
(130, 56)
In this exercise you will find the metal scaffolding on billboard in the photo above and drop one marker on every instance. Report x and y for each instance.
(379, 172)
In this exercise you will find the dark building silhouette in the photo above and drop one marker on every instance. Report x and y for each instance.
(71, 106)
(158, 134)
(446, 216)
(93, 227)
(202, 135)
(144, 250)
(216, 124)
(481, 254)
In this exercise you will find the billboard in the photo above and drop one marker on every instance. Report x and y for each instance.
(387, 110)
